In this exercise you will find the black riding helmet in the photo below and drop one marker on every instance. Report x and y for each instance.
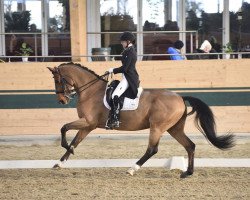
(128, 36)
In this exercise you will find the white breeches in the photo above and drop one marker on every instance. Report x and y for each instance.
(121, 88)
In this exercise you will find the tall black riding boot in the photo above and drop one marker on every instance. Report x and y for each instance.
(116, 112)
(108, 125)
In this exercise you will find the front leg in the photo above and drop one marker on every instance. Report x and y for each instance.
(70, 150)
(76, 125)
(64, 142)
(78, 138)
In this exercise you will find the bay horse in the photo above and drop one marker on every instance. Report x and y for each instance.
(159, 110)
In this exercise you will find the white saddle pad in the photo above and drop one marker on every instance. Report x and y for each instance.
(129, 104)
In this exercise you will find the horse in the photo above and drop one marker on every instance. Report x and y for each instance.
(159, 110)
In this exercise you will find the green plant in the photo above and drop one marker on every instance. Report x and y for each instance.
(228, 48)
(25, 50)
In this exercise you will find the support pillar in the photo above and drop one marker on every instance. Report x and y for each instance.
(182, 22)
(226, 24)
(78, 29)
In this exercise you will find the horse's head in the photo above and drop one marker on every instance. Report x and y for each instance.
(64, 86)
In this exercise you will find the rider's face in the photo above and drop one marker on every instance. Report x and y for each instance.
(124, 44)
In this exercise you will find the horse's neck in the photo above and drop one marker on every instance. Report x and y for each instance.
(96, 89)
(88, 84)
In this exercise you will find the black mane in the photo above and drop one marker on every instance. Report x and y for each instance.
(78, 65)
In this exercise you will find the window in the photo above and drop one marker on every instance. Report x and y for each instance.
(125, 15)
(159, 15)
(22, 24)
(240, 25)
(58, 28)
(117, 16)
(206, 17)
(46, 34)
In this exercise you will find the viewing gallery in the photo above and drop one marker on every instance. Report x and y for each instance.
(63, 30)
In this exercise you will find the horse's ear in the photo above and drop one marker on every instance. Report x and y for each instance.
(56, 69)
(51, 69)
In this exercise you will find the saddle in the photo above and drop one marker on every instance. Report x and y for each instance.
(126, 103)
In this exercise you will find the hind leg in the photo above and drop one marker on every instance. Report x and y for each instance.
(177, 132)
(154, 138)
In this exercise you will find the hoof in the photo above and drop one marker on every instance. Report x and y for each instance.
(59, 165)
(131, 171)
(186, 174)
(56, 166)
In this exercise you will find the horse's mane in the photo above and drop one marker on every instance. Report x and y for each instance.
(78, 65)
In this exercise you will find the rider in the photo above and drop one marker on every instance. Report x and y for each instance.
(130, 78)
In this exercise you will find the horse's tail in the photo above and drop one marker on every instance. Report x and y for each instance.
(204, 121)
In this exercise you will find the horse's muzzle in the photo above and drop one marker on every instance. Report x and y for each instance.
(61, 102)
(62, 99)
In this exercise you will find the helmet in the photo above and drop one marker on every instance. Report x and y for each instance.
(178, 44)
(127, 36)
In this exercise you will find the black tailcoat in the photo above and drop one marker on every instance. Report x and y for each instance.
(129, 59)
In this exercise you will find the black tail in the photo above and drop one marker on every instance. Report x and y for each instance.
(204, 121)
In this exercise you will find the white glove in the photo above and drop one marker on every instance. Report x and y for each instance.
(110, 70)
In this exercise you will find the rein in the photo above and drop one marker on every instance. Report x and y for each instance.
(87, 85)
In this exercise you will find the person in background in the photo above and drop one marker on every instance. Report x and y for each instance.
(33, 28)
(176, 49)
(206, 47)
(15, 45)
(215, 45)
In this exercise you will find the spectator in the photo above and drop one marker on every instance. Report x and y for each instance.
(33, 28)
(206, 47)
(15, 45)
(215, 45)
(176, 49)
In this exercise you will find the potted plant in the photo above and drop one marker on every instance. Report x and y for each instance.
(228, 50)
(25, 51)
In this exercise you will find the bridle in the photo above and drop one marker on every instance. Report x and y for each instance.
(66, 86)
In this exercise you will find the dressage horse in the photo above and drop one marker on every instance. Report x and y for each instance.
(159, 110)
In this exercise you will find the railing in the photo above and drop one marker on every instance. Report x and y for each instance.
(86, 56)
(192, 33)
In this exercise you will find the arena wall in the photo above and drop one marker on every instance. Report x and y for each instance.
(28, 104)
